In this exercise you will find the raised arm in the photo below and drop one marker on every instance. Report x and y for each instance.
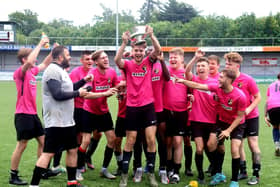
(165, 71)
(32, 57)
(189, 66)
(118, 58)
(47, 60)
(157, 49)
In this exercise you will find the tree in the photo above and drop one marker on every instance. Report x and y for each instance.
(27, 21)
(108, 16)
(148, 11)
(176, 11)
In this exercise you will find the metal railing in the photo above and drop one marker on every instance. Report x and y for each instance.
(195, 42)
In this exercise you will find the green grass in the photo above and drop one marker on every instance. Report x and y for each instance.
(269, 171)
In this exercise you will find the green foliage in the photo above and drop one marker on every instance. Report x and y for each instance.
(27, 20)
(177, 11)
(149, 11)
(175, 24)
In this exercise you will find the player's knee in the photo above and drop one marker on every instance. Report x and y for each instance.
(21, 146)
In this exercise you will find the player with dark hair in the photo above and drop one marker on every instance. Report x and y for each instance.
(140, 113)
(203, 114)
(58, 109)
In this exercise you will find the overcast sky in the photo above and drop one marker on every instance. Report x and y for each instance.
(82, 12)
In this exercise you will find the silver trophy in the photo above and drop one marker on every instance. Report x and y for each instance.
(139, 35)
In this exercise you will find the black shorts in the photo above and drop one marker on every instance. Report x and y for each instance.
(60, 138)
(160, 117)
(200, 129)
(138, 118)
(28, 126)
(251, 127)
(274, 114)
(78, 117)
(101, 123)
(176, 122)
(237, 133)
(120, 127)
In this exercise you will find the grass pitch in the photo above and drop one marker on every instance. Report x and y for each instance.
(269, 171)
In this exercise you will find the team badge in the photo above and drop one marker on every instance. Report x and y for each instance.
(109, 80)
(156, 71)
(239, 85)
(144, 68)
(229, 102)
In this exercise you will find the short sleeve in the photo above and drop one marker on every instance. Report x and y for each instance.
(253, 88)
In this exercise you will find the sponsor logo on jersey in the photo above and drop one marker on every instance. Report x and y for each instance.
(32, 82)
(100, 88)
(156, 78)
(226, 107)
(138, 74)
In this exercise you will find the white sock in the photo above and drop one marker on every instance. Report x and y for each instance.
(277, 145)
(103, 169)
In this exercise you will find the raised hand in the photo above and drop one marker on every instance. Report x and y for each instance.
(149, 30)
(199, 53)
(126, 37)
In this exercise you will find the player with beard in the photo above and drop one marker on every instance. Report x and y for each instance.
(175, 112)
(77, 74)
(231, 118)
(140, 113)
(203, 114)
(58, 110)
(27, 122)
(96, 114)
(253, 97)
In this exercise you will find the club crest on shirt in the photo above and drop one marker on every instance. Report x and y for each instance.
(144, 68)
(229, 102)
(109, 79)
(156, 71)
(239, 85)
